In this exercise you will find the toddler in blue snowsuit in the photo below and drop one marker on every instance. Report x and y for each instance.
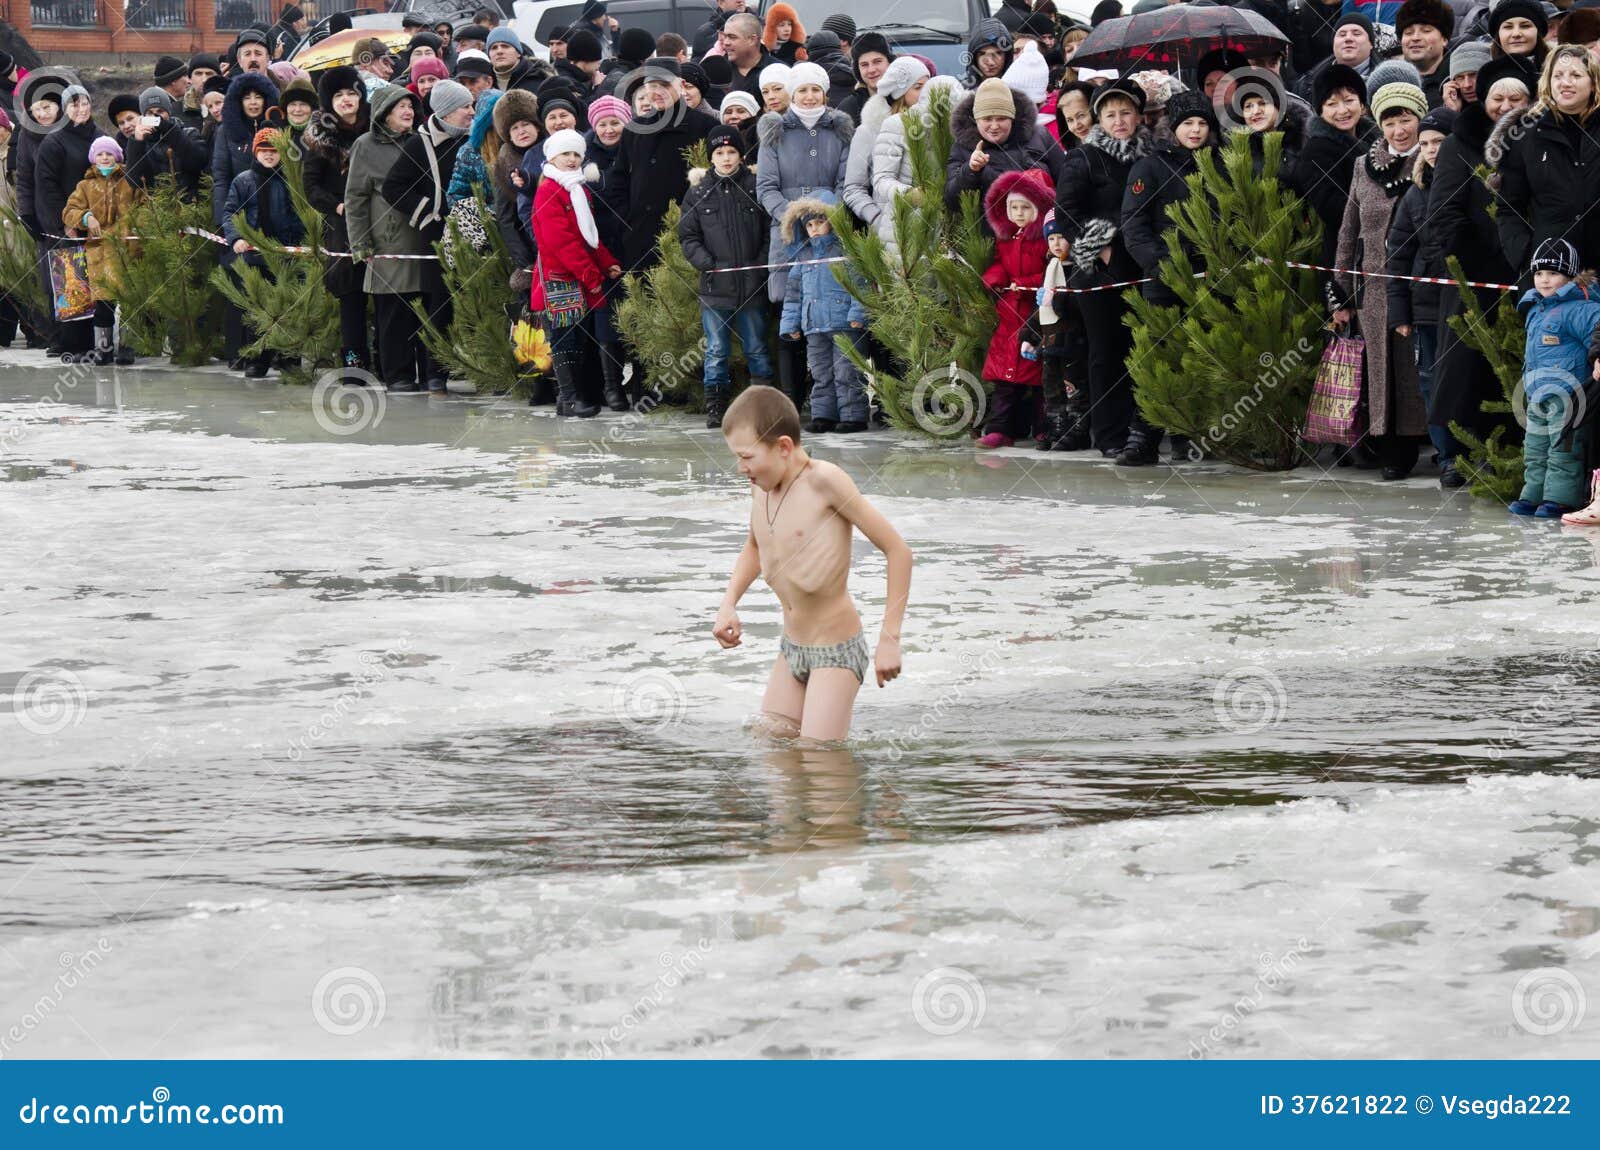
(1562, 311)
(816, 306)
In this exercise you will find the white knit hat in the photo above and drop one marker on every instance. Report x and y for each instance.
(1029, 75)
(901, 76)
(774, 74)
(807, 73)
(740, 100)
(566, 140)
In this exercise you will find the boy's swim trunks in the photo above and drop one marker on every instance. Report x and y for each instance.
(852, 655)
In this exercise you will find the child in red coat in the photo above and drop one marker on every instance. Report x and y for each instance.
(572, 266)
(1015, 207)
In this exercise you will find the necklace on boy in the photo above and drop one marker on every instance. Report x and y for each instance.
(773, 518)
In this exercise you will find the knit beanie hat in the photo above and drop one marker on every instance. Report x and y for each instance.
(723, 136)
(993, 98)
(283, 72)
(840, 25)
(266, 140)
(1189, 104)
(1028, 74)
(446, 96)
(609, 106)
(584, 47)
(71, 92)
(900, 77)
(170, 69)
(105, 144)
(1555, 255)
(430, 66)
(565, 140)
(1051, 226)
(1394, 71)
(424, 40)
(152, 98)
(1399, 96)
(635, 45)
(774, 75)
(694, 76)
(1440, 119)
(503, 35)
(806, 72)
(204, 60)
(1353, 17)
(740, 100)
(1469, 56)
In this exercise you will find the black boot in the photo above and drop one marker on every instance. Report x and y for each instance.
(543, 393)
(102, 346)
(792, 371)
(611, 369)
(1186, 450)
(258, 366)
(567, 399)
(716, 407)
(1056, 425)
(1143, 447)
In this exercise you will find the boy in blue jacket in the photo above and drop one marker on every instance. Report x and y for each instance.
(817, 307)
(1562, 314)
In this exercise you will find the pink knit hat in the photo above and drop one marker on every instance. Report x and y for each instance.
(430, 66)
(605, 106)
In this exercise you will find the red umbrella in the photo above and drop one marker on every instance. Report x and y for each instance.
(1175, 36)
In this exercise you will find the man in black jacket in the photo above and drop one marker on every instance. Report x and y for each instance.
(650, 172)
(169, 148)
(826, 50)
(741, 43)
(1424, 28)
(705, 36)
(287, 31)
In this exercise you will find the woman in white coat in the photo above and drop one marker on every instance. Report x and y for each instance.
(891, 154)
(907, 73)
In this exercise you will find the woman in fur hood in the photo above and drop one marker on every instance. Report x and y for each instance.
(343, 116)
(996, 130)
(1089, 198)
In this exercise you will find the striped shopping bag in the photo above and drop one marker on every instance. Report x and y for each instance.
(1335, 414)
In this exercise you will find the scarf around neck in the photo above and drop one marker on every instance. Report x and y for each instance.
(574, 183)
(809, 116)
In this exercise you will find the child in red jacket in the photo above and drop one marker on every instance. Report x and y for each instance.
(572, 265)
(1015, 208)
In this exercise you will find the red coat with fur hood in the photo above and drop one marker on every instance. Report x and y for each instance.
(1019, 258)
(562, 252)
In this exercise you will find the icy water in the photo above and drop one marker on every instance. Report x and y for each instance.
(413, 742)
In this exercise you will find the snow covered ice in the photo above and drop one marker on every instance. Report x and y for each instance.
(414, 742)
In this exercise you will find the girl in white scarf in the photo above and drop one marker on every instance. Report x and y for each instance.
(563, 163)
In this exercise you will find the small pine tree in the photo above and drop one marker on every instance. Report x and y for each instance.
(478, 344)
(164, 276)
(658, 313)
(1232, 365)
(19, 266)
(927, 304)
(287, 304)
(1492, 467)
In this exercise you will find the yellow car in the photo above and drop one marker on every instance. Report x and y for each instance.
(338, 48)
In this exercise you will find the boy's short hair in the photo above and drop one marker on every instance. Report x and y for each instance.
(767, 411)
(670, 44)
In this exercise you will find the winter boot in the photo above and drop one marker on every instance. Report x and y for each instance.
(102, 346)
(1077, 434)
(258, 366)
(1056, 425)
(1590, 515)
(124, 353)
(543, 393)
(611, 369)
(792, 371)
(1186, 450)
(716, 407)
(567, 401)
(1143, 446)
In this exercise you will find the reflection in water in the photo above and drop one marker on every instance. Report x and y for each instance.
(821, 797)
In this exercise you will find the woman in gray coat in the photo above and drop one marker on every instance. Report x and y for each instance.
(377, 228)
(804, 151)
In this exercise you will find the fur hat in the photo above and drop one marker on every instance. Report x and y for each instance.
(1188, 104)
(804, 209)
(635, 45)
(1504, 10)
(993, 98)
(1433, 12)
(514, 105)
(1399, 96)
(424, 40)
(1336, 78)
(1582, 26)
(1469, 56)
(1032, 185)
(1505, 68)
(120, 103)
(335, 78)
(776, 15)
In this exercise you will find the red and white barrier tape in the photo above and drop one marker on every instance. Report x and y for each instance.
(1443, 281)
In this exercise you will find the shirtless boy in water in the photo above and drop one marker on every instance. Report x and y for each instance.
(802, 513)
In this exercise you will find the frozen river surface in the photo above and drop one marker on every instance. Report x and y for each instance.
(414, 742)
